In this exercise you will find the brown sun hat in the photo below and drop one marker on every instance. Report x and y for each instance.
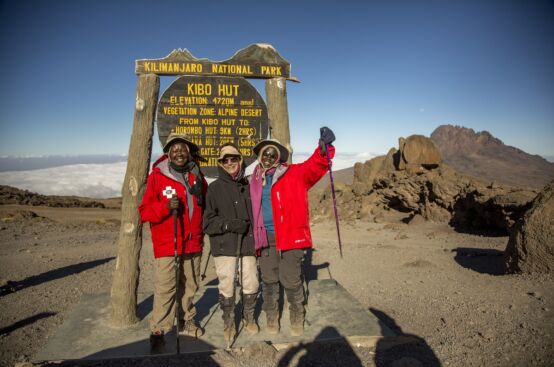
(229, 150)
(174, 137)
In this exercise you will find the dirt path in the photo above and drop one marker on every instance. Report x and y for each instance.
(441, 286)
(426, 281)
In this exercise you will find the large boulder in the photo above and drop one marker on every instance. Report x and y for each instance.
(365, 173)
(531, 245)
(416, 152)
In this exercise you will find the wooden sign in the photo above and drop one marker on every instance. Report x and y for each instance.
(254, 61)
(212, 111)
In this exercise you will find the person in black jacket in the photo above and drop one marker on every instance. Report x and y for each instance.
(227, 219)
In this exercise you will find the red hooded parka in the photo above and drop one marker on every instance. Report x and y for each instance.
(289, 200)
(153, 209)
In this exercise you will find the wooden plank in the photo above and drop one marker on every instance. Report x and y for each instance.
(255, 61)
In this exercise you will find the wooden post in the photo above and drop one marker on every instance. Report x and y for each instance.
(126, 274)
(278, 112)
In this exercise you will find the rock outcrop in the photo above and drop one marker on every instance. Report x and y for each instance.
(430, 190)
(531, 245)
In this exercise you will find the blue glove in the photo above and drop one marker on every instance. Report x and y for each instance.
(326, 136)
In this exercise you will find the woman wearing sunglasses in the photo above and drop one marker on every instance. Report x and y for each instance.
(227, 219)
(280, 223)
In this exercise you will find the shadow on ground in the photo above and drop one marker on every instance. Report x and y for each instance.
(415, 353)
(25, 322)
(336, 353)
(484, 261)
(14, 286)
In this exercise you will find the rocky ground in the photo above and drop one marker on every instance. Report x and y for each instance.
(443, 288)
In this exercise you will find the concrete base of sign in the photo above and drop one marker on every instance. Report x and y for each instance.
(332, 314)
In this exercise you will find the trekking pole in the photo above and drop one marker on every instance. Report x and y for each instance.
(334, 197)
(177, 266)
(203, 275)
(235, 276)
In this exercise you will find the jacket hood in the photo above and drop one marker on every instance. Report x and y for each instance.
(162, 166)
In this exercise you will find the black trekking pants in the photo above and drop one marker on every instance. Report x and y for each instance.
(284, 268)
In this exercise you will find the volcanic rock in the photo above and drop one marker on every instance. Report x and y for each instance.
(531, 245)
(436, 192)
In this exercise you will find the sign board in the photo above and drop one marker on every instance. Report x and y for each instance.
(254, 61)
(213, 111)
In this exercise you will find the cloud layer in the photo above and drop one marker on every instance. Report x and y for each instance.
(106, 180)
(89, 180)
(341, 160)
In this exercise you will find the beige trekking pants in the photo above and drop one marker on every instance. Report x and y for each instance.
(225, 267)
(163, 314)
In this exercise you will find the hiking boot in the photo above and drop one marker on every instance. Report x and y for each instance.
(191, 328)
(228, 307)
(296, 320)
(157, 342)
(272, 322)
(295, 298)
(271, 306)
(249, 308)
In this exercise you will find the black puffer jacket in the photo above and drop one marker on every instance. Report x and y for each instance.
(226, 200)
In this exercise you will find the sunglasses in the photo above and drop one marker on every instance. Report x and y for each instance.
(229, 160)
(270, 154)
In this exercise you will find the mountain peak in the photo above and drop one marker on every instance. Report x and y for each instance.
(482, 155)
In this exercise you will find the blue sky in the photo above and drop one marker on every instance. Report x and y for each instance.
(371, 70)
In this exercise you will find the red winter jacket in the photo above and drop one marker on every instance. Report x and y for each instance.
(289, 200)
(153, 209)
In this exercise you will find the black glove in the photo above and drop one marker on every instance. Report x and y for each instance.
(174, 204)
(326, 136)
(197, 190)
(237, 226)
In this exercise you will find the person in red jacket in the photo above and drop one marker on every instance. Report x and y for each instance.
(175, 185)
(279, 194)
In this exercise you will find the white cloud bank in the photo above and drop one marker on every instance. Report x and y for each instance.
(106, 180)
(89, 180)
(341, 160)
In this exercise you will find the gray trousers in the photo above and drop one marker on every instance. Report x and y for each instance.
(284, 268)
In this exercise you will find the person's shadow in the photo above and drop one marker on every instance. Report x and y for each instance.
(322, 353)
(413, 351)
(310, 271)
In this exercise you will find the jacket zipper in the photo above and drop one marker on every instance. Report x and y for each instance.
(280, 218)
(280, 208)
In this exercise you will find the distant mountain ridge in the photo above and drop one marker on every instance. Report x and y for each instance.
(482, 155)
